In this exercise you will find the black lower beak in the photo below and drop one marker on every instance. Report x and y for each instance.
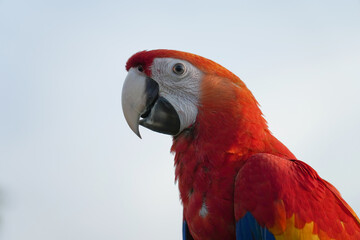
(152, 94)
(161, 117)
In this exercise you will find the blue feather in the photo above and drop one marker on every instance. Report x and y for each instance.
(184, 229)
(247, 228)
(186, 232)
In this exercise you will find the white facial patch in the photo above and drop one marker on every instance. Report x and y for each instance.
(181, 90)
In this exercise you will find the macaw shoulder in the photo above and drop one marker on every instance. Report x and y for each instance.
(288, 198)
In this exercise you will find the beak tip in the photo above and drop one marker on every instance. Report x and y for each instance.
(135, 129)
(138, 134)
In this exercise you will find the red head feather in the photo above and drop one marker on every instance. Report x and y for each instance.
(146, 58)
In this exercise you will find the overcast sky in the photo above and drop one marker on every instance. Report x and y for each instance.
(70, 168)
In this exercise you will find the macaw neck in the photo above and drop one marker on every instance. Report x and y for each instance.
(230, 124)
(241, 139)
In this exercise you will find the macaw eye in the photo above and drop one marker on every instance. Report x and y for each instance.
(178, 69)
(140, 68)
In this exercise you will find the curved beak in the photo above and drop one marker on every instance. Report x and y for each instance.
(140, 99)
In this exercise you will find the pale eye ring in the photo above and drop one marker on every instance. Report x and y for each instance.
(179, 69)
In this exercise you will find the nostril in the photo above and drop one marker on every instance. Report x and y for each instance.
(140, 68)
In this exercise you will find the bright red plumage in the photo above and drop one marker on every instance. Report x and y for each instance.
(228, 163)
(278, 189)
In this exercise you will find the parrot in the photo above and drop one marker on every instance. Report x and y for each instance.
(236, 180)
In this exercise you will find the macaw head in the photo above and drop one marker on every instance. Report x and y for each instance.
(170, 91)
(202, 104)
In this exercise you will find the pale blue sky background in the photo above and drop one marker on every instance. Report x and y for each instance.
(70, 168)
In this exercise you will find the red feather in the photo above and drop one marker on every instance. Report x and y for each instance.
(267, 186)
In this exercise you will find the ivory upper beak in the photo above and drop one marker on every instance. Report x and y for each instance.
(134, 99)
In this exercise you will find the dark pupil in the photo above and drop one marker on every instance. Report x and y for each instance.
(140, 68)
(179, 68)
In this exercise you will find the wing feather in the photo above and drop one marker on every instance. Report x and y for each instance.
(290, 200)
(185, 232)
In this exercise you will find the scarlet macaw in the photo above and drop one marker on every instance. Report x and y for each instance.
(236, 180)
